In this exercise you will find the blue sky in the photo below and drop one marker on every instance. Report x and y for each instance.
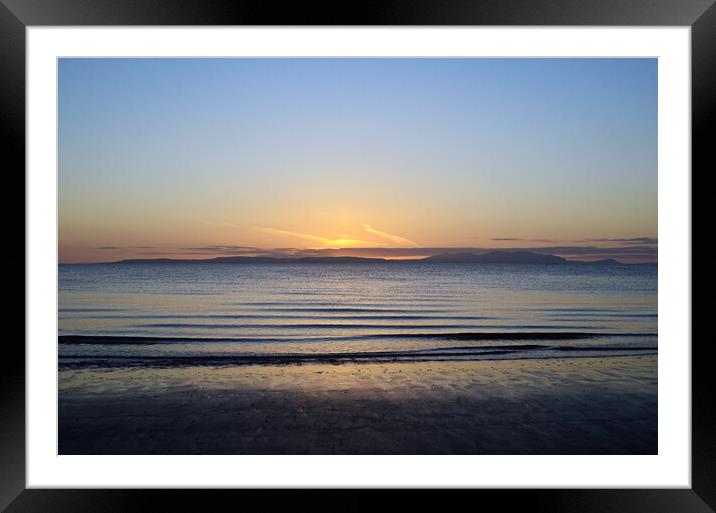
(439, 152)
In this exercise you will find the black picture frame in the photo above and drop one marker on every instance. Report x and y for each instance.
(17, 15)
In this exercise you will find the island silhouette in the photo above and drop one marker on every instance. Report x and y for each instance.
(491, 257)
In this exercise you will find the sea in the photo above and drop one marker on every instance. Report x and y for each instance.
(228, 314)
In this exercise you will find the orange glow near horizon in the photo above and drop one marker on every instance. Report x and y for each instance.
(364, 240)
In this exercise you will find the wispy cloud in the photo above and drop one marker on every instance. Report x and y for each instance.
(397, 239)
(223, 249)
(629, 240)
(515, 239)
(122, 248)
(342, 241)
(219, 250)
(619, 240)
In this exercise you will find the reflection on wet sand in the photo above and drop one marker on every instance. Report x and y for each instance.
(560, 406)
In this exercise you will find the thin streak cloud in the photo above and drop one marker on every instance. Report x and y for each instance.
(515, 239)
(631, 240)
(389, 236)
(342, 241)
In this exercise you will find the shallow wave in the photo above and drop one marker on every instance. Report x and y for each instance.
(356, 309)
(525, 351)
(284, 316)
(512, 336)
(344, 326)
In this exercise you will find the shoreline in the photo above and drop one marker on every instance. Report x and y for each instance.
(605, 405)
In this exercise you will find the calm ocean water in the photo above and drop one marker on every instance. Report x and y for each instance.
(233, 314)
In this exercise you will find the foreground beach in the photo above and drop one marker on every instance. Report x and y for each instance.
(539, 406)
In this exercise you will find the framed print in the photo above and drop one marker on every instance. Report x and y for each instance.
(438, 248)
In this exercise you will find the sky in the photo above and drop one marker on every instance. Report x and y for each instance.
(399, 158)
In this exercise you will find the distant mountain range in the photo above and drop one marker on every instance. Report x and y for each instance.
(492, 257)
(498, 257)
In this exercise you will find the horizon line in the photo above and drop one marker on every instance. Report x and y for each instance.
(189, 259)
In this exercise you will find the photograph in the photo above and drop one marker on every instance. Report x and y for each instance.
(357, 256)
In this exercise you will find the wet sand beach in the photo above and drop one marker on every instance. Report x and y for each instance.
(530, 406)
